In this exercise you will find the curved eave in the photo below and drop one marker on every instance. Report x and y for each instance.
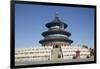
(56, 24)
(56, 32)
(57, 39)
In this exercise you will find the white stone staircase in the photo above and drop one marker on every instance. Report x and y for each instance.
(56, 53)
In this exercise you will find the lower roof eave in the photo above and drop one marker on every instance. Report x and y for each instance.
(67, 41)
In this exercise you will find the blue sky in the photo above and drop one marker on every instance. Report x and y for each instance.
(30, 22)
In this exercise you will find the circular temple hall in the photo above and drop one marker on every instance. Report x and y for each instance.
(56, 35)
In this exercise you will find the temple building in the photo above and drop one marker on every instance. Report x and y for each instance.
(55, 45)
(56, 35)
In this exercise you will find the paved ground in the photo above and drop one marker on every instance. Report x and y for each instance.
(52, 61)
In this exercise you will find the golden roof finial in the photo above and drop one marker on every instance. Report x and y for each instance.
(56, 14)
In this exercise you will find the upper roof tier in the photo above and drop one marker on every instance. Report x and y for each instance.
(56, 22)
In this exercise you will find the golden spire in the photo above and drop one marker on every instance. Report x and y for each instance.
(56, 14)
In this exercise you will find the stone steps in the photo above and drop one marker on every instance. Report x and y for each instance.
(56, 53)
